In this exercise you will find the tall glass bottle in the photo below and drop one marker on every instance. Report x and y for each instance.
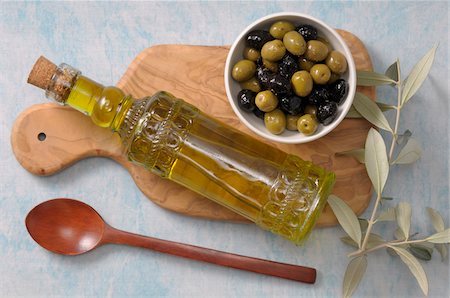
(173, 139)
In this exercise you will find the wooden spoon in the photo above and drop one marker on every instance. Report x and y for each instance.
(71, 227)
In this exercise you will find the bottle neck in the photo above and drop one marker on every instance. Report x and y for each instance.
(107, 106)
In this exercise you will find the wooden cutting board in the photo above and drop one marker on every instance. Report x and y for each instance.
(194, 73)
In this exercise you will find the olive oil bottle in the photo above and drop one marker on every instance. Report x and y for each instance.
(173, 139)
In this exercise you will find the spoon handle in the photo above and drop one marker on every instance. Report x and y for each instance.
(283, 270)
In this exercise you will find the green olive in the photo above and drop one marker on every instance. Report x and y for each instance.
(266, 101)
(280, 28)
(302, 83)
(311, 110)
(243, 70)
(307, 124)
(291, 122)
(272, 66)
(251, 84)
(251, 54)
(294, 43)
(320, 74)
(336, 62)
(273, 50)
(275, 121)
(333, 78)
(305, 64)
(316, 50)
(326, 42)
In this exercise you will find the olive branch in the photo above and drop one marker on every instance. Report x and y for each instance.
(377, 161)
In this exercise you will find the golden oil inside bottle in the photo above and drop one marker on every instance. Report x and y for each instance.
(279, 192)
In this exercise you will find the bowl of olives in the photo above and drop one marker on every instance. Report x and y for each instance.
(290, 78)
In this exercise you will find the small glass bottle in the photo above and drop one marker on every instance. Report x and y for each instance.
(173, 139)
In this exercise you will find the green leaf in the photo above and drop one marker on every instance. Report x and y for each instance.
(441, 237)
(442, 249)
(353, 275)
(385, 107)
(398, 234)
(403, 138)
(370, 110)
(353, 113)
(392, 71)
(374, 240)
(387, 215)
(358, 154)
(363, 224)
(414, 266)
(376, 160)
(436, 219)
(370, 78)
(420, 252)
(410, 153)
(417, 76)
(403, 216)
(349, 241)
(346, 217)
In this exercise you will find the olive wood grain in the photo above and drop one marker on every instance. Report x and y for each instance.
(194, 73)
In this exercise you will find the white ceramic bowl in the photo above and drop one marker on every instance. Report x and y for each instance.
(256, 124)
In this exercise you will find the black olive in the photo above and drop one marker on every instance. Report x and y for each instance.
(288, 66)
(258, 113)
(292, 105)
(319, 95)
(263, 76)
(257, 38)
(338, 90)
(246, 100)
(307, 31)
(327, 112)
(279, 85)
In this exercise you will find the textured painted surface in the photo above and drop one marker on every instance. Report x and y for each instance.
(102, 39)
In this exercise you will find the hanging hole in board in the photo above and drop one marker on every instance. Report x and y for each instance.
(42, 136)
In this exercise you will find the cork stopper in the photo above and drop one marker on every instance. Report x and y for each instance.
(57, 81)
(42, 73)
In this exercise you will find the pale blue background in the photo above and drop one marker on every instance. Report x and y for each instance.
(102, 39)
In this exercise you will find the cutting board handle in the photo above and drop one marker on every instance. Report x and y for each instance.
(44, 144)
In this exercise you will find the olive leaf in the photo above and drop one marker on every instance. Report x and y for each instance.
(399, 235)
(417, 76)
(370, 78)
(436, 219)
(393, 70)
(358, 154)
(403, 216)
(403, 138)
(376, 160)
(346, 217)
(421, 251)
(442, 249)
(374, 240)
(387, 215)
(385, 107)
(410, 153)
(353, 113)
(363, 223)
(353, 275)
(349, 241)
(441, 237)
(414, 266)
(370, 110)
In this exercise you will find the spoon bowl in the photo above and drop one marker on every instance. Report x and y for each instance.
(71, 227)
(65, 226)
